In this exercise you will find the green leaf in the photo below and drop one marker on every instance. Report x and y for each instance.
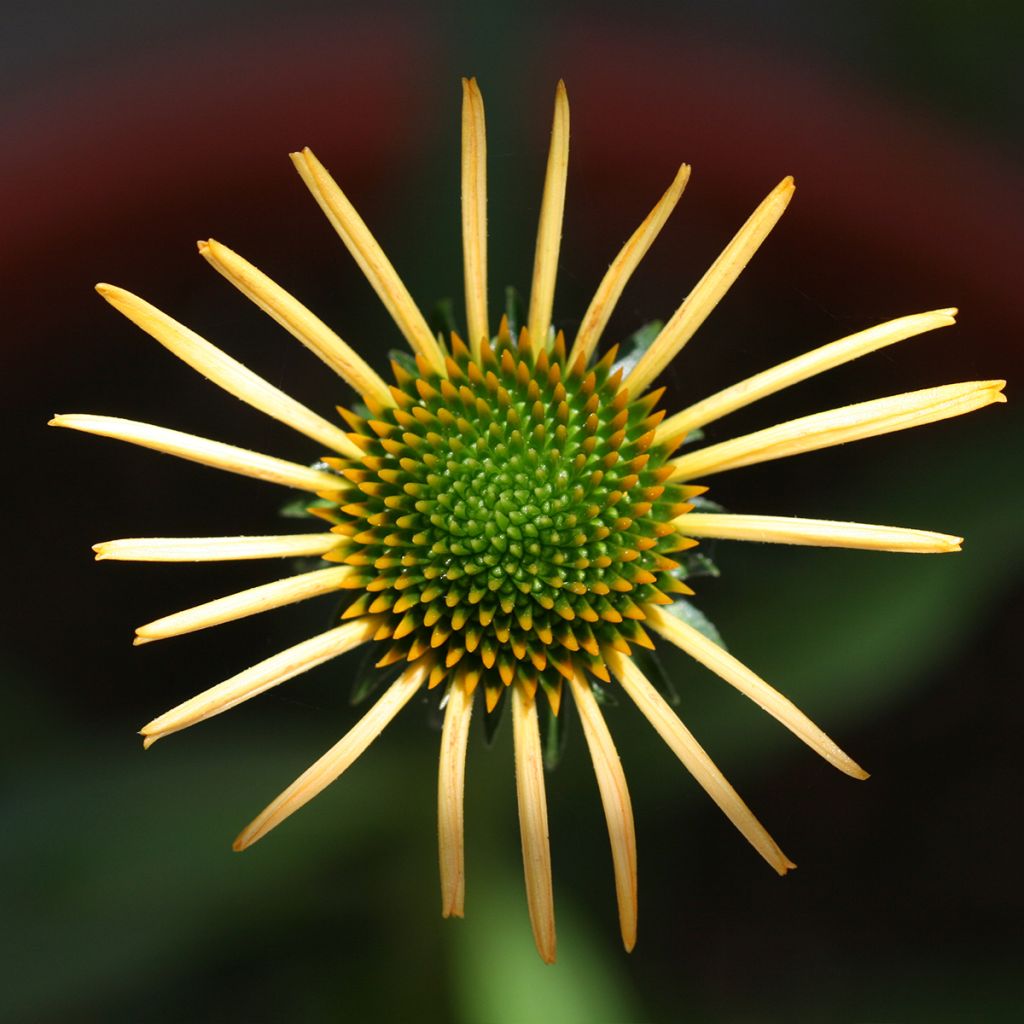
(553, 731)
(442, 318)
(369, 679)
(650, 664)
(693, 616)
(514, 310)
(492, 719)
(406, 360)
(696, 562)
(297, 508)
(636, 345)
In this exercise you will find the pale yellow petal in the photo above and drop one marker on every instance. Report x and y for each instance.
(340, 757)
(295, 318)
(244, 603)
(801, 368)
(533, 821)
(215, 549)
(618, 809)
(682, 743)
(450, 789)
(215, 454)
(615, 280)
(261, 677)
(697, 306)
(549, 230)
(370, 257)
(226, 372)
(838, 426)
(815, 532)
(474, 213)
(734, 672)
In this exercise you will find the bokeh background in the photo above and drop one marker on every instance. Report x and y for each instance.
(133, 129)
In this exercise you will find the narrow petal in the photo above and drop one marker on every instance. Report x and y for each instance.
(709, 290)
(341, 756)
(801, 368)
(549, 230)
(245, 603)
(261, 677)
(822, 533)
(474, 213)
(297, 320)
(837, 426)
(204, 451)
(370, 257)
(696, 760)
(215, 549)
(725, 666)
(614, 281)
(533, 821)
(618, 810)
(450, 787)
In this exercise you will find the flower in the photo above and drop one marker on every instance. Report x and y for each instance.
(511, 513)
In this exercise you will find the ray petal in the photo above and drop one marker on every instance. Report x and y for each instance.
(474, 213)
(295, 318)
(227, 373)
(709, 290)
(253, 601)
(533, 820)
(204, 451)
(734, 672)
(261, 677)
(549, 230)
(621, 270)
(838, 426)
(815, 532)
(695, 758)
(450, 789)
(791, 372)
(371, 259)
(215, 549)
(340, 757)
(618, 810)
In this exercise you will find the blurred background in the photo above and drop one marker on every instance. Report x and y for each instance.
(131, 130)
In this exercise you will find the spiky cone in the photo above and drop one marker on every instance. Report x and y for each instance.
(511, 514)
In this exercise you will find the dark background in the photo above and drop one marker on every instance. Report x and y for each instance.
(130, 130)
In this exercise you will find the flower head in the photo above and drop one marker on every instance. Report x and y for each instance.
(511, 515)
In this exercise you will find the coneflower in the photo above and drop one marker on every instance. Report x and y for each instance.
(510, 517)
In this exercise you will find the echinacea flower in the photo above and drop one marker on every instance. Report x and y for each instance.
(511, 514)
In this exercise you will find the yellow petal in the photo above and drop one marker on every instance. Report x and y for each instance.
(474, 213)
(297, 320)
(695, 758)
(204, 451)
(215, 549)
(618, 810)
(734, 672)
(838, 426)
(450, 789)
(533, 821)
(340, 757)
(549, 230)
(709, 290)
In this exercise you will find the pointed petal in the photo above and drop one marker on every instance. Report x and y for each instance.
(709, 290)
(533, 820)
(615, 280)
(226, 372)
(371, 259)
(340, 757)
(618, 810)
(696, 760)
(549, 230)
(474, 213)
(297, 320)
(261, 677)
(801, 368)
(725, 666)
(816, 532)
(215, 549)
(450, 788)
(204, 451)
(245, 603)
(838, 426)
